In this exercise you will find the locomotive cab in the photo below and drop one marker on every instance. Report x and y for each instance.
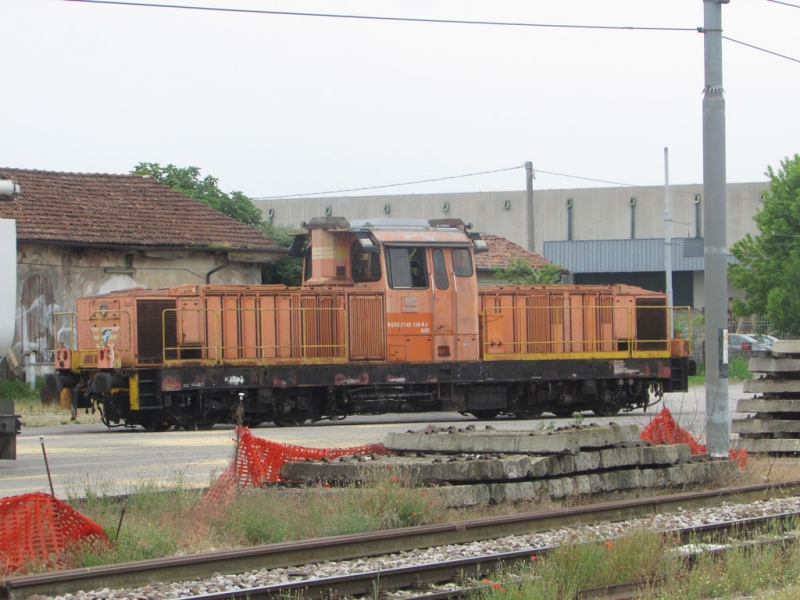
(424, 270)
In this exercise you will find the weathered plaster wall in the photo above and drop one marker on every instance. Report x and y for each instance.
(51, 278)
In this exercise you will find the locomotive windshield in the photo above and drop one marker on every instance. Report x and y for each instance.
(462, 262)
(407, 268)
(366, 265)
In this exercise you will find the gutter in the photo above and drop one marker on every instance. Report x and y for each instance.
(219, 268)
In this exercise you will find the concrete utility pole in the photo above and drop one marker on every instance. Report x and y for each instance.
(668, 241)
(716, 245)
(529, 184)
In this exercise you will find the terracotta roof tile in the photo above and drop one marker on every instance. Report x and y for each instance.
(500, 253)
(128, 210)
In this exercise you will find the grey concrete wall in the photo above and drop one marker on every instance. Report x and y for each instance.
(597, 213)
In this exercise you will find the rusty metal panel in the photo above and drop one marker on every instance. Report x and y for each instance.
(190, 322)
(538, 323)
(268, 322)
(250, 327)
(606, 323)
(557, 322)
(288, 324)
(367, 327)
(230, 332)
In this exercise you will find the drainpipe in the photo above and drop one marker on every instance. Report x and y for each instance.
(219, 268)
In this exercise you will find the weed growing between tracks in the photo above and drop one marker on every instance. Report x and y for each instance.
(773, 570)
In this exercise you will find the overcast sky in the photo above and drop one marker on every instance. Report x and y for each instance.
(276, 105)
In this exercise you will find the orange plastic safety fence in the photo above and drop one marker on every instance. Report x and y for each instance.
(739, 455)
(259, 461)
(38, 527)
(663, 429)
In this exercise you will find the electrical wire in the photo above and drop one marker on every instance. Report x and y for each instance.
(784, 3)
(725, 37)
(379, 18)
(388, 185)
(423, 20)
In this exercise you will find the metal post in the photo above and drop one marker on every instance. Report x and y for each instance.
(716, 246)
(668, 241)
(529, 187)
(47, 466)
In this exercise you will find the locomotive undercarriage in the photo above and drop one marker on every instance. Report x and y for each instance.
(204, 397)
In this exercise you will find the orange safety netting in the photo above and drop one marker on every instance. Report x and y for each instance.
(663, 429)
(259, 461)
(38, 527)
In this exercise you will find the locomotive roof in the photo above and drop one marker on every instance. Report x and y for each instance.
(432, 237)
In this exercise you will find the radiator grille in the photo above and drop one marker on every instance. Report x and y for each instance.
(149, 331)
(367, 328)
(651, 323)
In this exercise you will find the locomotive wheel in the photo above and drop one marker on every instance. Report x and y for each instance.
(486, 414)
(606, 410)
(527, 415)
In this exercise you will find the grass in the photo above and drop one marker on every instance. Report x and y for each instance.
(28, 404)
(646, 556)
(738, 370)
(165, 519)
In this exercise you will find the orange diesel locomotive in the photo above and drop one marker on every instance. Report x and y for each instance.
(389, 318)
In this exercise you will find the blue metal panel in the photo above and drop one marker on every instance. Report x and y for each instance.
(624, 256)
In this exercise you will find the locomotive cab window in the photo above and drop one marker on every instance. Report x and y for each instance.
(366, 266)
(307, 264)
(439, 270)
(462, 262)
(406, 268)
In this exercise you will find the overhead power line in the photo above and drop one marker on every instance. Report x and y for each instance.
(424, 20)
(725, 37)
(785, 3)
(388, 185)
(380, 18)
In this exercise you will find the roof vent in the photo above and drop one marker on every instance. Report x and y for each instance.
(9, 189)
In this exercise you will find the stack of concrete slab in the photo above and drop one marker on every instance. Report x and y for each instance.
(774, 422)
(470, 466)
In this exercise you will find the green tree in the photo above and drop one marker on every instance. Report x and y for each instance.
(768, 267)
(187, 181)
(520, 271)
(288, 270)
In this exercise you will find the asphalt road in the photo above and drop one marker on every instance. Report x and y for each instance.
(90, 459)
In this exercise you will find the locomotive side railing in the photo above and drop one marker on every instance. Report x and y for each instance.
(242, 335)
(576, 332)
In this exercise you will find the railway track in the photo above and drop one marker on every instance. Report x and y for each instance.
(132, 575)
(466, 574)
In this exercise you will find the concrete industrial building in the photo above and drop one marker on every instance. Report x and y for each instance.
(601, 235)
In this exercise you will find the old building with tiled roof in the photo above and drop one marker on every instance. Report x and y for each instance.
(83, 233)
(500, 255)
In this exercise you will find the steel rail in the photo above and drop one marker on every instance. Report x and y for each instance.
(177, 568)
(416, 576)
